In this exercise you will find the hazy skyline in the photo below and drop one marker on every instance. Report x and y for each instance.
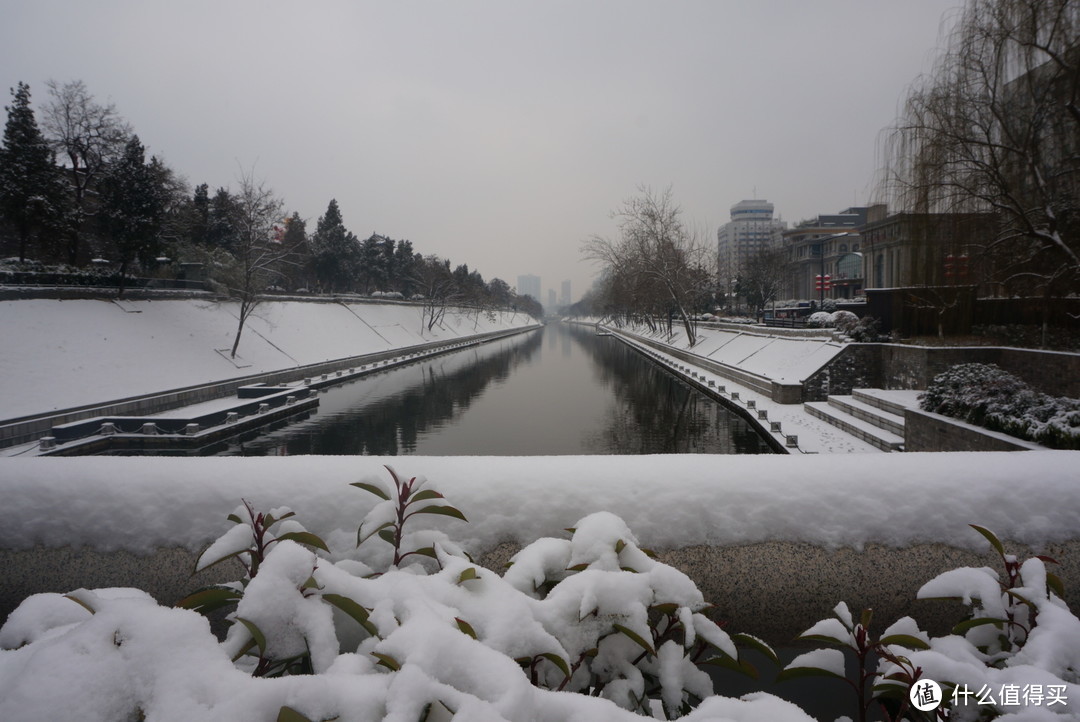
(495, 134)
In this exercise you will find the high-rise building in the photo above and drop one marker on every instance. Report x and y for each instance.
(551, 299)
(751, 228)
(529, 285)
(564, 296)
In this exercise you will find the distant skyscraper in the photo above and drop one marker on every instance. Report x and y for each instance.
(750, 229)
(529, 285)
(564, 297)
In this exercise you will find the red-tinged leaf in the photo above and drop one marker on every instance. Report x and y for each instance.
(354, 609)
(306, 538)
(558, 662)
(387, 661)
(372, 488)
(637, 639)
(571, 530)
(990, 537)
(1046, 560)
(442, 510)
(466, 627)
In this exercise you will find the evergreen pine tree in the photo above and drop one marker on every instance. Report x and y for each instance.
(31, 193)
(131, 207)
(335, 251)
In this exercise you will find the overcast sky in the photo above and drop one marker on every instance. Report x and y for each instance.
(497, 134)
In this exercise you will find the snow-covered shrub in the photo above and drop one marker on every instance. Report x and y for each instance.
(1019, 635)
(819, 319)
(843, 320)
(590, 627)
(986, 395)
(828, 305)
(865, 331)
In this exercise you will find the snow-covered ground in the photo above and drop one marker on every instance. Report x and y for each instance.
(669, 501)
(63, 354)
(450, 638)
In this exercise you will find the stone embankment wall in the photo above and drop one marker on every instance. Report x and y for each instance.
(899, 366)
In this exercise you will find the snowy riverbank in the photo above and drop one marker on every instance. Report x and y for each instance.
(64, 354)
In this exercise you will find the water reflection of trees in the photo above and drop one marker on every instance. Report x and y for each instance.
(655, 413)
(392, 425)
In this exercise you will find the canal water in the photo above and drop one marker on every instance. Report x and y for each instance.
(559, 390)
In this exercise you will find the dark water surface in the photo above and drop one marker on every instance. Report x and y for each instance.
(560, 390)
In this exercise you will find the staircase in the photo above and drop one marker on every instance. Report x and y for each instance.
(872, 415)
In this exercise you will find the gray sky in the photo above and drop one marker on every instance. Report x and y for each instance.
(498, 134)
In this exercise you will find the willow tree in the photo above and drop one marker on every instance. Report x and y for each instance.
(657, 263)
(995, 129)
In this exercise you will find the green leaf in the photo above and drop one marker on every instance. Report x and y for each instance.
(361, 539)
(377, 491)
(558, 662)
(469, 573)
(424, 552)
(387, 661)
(306, 538)
(619, 546)
(967, 624)
(666, 607)
(736, 665)
(1053, 581)
(865, 617)
(797, 672)
(648, 552)
(1019, 597)
(354, 609)
(442, 510)
(387, 535)
(578, 567)
(990, 537)
(635, 637)
(425, 494)
(256, 634)
(207, 600)
(822, 639)
(466, 627)
(288, 714)
(904, 640)
(81, 603)
(742, 639)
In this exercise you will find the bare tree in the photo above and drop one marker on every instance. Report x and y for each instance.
(435, 281)
(762, 277)
(259, 252)
(657, 261)
(995, 128)
(89, 136)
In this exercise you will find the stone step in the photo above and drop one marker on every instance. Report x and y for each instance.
(887, 400)
(864, 430)
(875, 415)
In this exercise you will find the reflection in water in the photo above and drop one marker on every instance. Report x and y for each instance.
(559, 391)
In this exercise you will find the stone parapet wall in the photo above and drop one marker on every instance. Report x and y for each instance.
(924, 431)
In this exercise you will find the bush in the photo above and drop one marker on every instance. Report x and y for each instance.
(988, 396)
